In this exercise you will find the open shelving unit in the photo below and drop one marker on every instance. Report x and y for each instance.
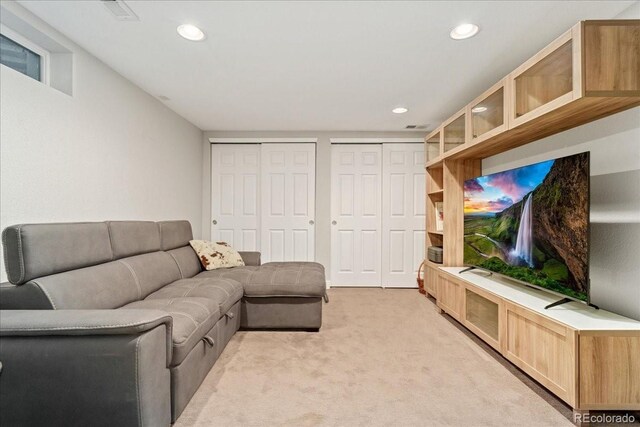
(589, 72)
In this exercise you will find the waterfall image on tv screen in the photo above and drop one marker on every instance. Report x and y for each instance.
(532, 224)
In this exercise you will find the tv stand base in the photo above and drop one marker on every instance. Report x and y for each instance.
(566, 300)
(589, 359)
(473, 268)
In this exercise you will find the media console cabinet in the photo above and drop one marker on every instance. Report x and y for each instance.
(589, 358)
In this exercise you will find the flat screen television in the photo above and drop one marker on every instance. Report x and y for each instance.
(532, 224)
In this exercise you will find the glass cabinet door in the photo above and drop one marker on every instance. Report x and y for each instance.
(454, 133)
(488, 114)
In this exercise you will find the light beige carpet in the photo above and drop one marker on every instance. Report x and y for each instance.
(382, 358)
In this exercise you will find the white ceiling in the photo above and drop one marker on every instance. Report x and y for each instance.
(317, 65)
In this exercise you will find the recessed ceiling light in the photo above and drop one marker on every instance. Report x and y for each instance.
(479, 109)
(190, 32)
(464, 31)
(399, 110)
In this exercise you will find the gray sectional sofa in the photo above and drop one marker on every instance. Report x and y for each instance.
(116, 323)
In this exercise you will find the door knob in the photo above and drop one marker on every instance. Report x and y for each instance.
(311, 222)
(334, 222)
(214, 222)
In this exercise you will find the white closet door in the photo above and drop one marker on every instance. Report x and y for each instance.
(355, 212)
(288, 202)
(235, 195)
(403, 213)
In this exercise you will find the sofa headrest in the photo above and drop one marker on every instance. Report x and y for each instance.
(36, 250)
(130, 238)
(174, 234)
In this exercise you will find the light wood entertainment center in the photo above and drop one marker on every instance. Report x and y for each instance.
(589, 358)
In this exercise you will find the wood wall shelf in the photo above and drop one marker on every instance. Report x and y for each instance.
(436, 192)
(440, 233)
(435, 163)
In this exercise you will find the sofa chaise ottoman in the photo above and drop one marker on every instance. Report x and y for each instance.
(117, 323)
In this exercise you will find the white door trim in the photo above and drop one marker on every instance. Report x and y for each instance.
(374, 140)
(261, 140)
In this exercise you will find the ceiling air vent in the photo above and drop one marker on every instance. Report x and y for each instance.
(120, 10)
(411, 126)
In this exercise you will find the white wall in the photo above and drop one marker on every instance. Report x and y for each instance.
(110, 151)
(614, 143)
(323, 177)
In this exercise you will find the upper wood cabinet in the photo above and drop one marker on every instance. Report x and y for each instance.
(589, 72)
(550, 79)
(611, 58)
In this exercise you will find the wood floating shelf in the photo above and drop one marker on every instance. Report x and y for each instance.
(436, 232)
(435, 192)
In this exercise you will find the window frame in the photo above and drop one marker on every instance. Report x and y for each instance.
(28, 44)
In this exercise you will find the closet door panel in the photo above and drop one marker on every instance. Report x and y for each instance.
(288, 199)
(403, 213)
(235, 202)
(355, 213)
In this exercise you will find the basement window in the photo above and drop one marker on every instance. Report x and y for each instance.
(20, 58)
(31, 52)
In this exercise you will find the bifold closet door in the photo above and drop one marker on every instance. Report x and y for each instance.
(355, 213)
(288, 202)
(235, 190)
(403, 213)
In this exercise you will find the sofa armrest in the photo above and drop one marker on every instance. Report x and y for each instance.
(81, 322)
(85, 367)
(250, 258)
(27, 296)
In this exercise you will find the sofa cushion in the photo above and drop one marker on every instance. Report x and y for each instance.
(130, 238)
(174, 234)
(187, 261)
(36, 250)
(104, 286)
(192, 319)
(224, 292)
(152, 271)
(239, 274)
(303, 279)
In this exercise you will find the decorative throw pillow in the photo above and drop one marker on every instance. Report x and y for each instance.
(215, 255)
